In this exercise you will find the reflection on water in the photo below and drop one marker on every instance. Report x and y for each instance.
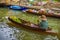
(6, 33)
(13, 33)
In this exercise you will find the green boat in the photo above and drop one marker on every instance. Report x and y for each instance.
(30, 26)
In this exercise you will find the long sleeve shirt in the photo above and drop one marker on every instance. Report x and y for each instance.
(43, 24)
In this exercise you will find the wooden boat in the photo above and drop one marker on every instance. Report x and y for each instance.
(29, 7)
(30, 26)
(43, 13)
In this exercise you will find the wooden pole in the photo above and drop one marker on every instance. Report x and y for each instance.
(19, 2)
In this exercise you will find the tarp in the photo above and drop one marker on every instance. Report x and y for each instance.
(18, 7)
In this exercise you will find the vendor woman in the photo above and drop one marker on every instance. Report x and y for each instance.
(44, 23)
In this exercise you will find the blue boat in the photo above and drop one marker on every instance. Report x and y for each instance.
(14, 7)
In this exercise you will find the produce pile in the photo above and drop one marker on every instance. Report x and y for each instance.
(15, 19)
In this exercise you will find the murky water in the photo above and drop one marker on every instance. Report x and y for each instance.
(8, 32)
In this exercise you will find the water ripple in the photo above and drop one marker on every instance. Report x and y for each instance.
(6, 33)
